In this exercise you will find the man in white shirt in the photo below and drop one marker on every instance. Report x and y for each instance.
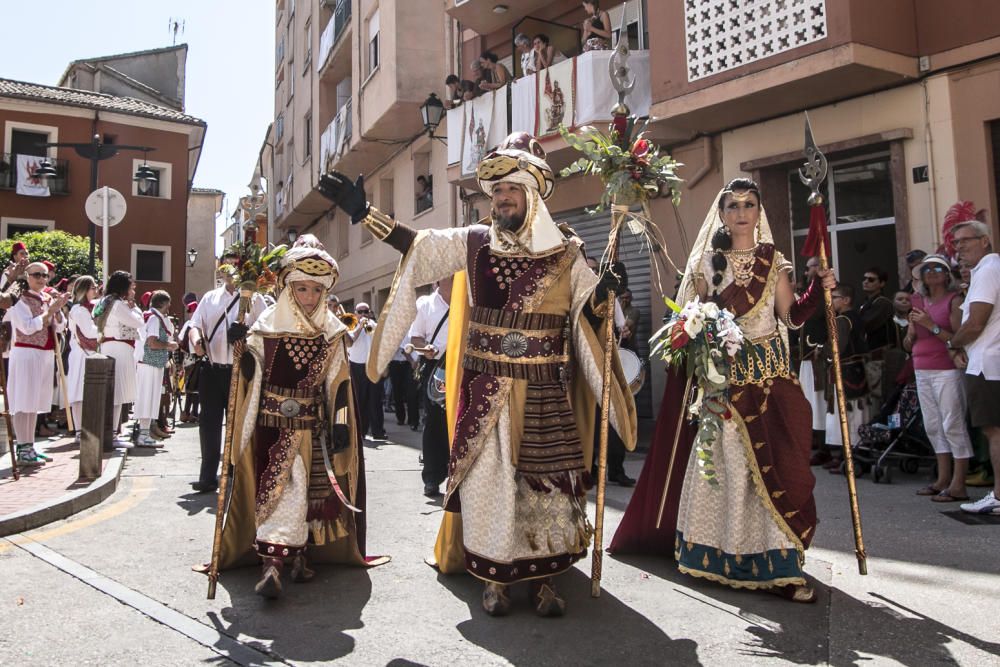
(430, 330)
(404, 391)
(213, 331)
(368, 393)
(979, 341)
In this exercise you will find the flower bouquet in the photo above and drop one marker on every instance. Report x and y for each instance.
(703, 338)
(632, 168)
(257, 268)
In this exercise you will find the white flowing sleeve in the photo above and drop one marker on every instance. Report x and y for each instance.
(21, 319)
(434, 254)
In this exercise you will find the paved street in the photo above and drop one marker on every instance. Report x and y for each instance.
(113, 585)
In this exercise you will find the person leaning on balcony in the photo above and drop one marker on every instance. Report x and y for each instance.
(498, 76)
(469, 90)
(453, 96)
(529, 56)
(546, 54)
(596, 28)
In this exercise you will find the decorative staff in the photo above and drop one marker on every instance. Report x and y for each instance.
(812, 174)
(633, 172)
(256, 275)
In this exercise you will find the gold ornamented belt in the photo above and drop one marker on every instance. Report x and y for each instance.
(527, 346)
(760, 360)
(283, 407)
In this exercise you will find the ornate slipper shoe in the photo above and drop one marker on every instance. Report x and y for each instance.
(548, 604)
(495, 599)
(300, 570)
(269, 585)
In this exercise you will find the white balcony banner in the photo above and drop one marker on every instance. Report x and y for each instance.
(556, 98)
(27, 182)
(498, 129)
(594, 93)
(456, 127)
(524, 112)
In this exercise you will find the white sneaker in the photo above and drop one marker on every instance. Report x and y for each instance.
(145, 440)
(118, 443)
(988, 504)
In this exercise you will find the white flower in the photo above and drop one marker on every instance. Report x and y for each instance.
(712, 374)
(694, 324)
(695, 408)
(710, 310)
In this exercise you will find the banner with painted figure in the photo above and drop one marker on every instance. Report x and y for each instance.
(556, 98)
(27, 182)
(485, 127)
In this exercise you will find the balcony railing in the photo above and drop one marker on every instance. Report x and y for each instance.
(15, 172)
(336, 138)
(475, 126)
(333, 31)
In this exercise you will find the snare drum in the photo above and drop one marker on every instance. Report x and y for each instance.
(634, 369)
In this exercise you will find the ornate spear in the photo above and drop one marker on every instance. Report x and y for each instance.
(812, 174)
(623, 82)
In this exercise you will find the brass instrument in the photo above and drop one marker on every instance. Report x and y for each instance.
(351, 320)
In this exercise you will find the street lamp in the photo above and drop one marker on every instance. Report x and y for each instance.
(432, 110)
(95, 151)
(192, 257)
(292, 235)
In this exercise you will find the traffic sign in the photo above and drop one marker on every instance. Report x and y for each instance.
(95, 209)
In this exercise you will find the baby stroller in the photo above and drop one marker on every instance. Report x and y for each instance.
(895, 436)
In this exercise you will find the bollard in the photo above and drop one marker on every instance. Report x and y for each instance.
(96, 432)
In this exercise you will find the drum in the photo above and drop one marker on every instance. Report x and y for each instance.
(635, 370)
(435, 384)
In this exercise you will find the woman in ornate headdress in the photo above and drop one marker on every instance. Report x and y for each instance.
(299, 470)
(751, 529)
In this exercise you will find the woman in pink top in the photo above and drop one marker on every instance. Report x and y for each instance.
(936, 315)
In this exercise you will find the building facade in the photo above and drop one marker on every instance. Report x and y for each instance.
(203, 209)
(151, 241)
(903, 97)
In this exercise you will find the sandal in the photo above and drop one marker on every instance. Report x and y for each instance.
(945, 497)
(929, 490)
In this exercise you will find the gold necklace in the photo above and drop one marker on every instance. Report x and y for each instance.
(741, 261)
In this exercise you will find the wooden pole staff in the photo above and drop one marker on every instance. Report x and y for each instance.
(63, 385)
(246, 293)
(812, 175)
(610, 350)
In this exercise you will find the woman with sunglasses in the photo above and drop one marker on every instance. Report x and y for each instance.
(36, 320)
(936, 315)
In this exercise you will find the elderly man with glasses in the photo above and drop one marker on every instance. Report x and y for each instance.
(36, 320)
(979, 341)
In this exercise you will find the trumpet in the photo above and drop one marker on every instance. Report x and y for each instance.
(409, 348)
(350, 320)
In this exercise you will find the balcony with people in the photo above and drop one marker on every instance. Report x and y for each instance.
(555, 73)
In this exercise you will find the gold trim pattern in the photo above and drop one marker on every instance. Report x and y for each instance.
(378, 223)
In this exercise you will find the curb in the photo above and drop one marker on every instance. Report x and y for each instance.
(69, 504)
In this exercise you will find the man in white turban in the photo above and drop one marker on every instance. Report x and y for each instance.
(522, 447)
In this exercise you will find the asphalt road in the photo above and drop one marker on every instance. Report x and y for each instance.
(113, 585)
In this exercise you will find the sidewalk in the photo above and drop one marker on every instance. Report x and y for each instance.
(53, 491)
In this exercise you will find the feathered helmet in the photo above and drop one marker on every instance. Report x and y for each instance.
(519, 159)
(307, 259)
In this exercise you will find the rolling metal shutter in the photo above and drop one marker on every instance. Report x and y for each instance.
(593, 229)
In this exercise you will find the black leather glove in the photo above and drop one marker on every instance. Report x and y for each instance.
(614, 278)
(349, 197)
(236, 331)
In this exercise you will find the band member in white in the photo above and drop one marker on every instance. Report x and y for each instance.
(213, 331)
(36, 319)
(157, 344)
(82, 343)
(119, 321)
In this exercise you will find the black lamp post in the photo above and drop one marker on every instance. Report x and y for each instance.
(192, 257)
(95, 151)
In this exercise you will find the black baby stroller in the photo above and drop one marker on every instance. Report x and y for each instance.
(896, 435)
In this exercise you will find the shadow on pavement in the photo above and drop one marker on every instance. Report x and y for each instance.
(860, 629)
(196, 503)
(613, 632)
(309, 623)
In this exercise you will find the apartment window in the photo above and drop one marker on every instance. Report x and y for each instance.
(279, 127)
(373, 52)
(307, 135)
(307, 59)
(862, 219)
(291, 81)
(11, 227)
(279, 51)
(151, 263)
(160, 189)
(423, 191)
